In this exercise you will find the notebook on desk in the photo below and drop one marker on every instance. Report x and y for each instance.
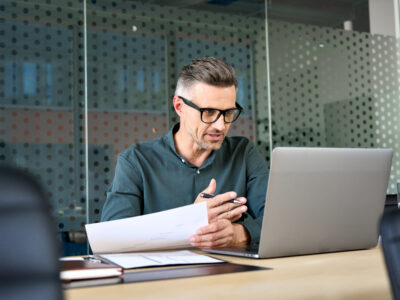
(321, 200)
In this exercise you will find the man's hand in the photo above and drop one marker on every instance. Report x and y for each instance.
(221, 233)
(221, 213)
(219, 206)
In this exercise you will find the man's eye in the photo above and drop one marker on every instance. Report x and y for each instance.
(210, 112)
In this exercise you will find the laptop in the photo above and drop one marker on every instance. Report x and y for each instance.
(321, 200)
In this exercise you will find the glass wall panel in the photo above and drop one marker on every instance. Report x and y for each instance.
(134, 52)
(126, 89)
(41, 103)
(320, 74)
(333, 82)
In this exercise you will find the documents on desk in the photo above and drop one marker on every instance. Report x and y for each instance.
(166, 230)
(153, 259)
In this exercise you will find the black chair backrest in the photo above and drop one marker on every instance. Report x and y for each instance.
(29, 250)
(390, 234)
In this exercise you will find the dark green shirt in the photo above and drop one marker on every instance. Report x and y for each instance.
(152, 177)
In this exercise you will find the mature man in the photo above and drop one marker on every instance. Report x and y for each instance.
(197, 157)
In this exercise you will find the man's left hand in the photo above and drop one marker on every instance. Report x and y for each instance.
(221, 233)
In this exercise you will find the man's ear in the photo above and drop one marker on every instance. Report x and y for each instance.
(177, 102)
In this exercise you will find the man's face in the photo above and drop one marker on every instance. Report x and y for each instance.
(208, 136)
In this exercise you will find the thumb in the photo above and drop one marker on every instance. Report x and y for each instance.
(211, 187)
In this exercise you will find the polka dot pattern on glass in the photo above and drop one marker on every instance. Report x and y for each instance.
(335, 88)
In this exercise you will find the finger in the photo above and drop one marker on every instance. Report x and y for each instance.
(237, 217)
(208, 190)
(213, 235)
(242, 200)
(213, 227)
(224, 208)
(211, 187)
(234, 214)
(209, 237)
(221, 199)
(213, 244)
(221, 211)
(215, 208)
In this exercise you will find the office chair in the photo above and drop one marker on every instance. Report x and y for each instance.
(390, 234)
(28, 244)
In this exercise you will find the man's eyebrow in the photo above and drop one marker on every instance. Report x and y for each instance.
(218, 108)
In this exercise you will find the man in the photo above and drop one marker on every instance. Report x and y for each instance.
(196, 157)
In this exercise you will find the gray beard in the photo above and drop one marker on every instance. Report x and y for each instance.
(203, 145)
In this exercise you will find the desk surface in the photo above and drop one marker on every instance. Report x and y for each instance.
(350, 275)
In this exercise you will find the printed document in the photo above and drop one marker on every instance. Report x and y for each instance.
(170, 229)
(152, 259)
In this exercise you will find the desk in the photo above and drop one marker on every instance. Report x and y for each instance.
(350, 275)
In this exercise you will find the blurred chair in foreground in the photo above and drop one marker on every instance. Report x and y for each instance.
(390, 234)
(28, 243)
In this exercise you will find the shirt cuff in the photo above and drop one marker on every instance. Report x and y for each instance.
(253, 226)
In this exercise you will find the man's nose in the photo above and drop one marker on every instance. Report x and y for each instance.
(220, 123)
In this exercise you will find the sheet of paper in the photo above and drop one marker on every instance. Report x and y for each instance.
(164, 230)
(147, 259)
(66, 258)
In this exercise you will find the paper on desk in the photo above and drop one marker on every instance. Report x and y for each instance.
(168, 229)
(147, 259)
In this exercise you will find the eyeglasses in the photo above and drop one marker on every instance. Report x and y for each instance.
(211, 115)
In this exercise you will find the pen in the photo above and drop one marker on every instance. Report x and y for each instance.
(209, 196)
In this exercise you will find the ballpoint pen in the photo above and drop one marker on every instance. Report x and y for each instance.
(209, 196)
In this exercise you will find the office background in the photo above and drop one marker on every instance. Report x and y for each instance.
(81, 80)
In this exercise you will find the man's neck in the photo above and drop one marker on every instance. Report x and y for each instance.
(189, 150)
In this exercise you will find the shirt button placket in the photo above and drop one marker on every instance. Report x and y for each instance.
(198, 171)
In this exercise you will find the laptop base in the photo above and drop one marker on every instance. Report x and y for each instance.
(250, 251)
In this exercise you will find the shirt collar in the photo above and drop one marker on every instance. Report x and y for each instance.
(171, 144)
(170, 138)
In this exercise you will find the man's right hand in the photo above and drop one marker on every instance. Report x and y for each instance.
(219, 206)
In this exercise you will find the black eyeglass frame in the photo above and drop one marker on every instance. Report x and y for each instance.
(220, 111)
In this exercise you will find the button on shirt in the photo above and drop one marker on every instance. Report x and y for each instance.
(151, 177)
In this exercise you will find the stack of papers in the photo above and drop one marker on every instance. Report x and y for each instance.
(120, 241)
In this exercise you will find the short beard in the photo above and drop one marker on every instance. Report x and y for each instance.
(204, 146)
(208, 147)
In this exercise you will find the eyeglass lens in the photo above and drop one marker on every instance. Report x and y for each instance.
(211, 115)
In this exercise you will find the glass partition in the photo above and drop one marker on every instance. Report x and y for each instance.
(333, 82)
(41, 103)
(311, 73)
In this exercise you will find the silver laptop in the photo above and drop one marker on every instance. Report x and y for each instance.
(321, 200)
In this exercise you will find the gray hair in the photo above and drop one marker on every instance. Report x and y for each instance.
(209, 70)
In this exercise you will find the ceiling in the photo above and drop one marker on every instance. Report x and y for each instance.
(331, 13)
